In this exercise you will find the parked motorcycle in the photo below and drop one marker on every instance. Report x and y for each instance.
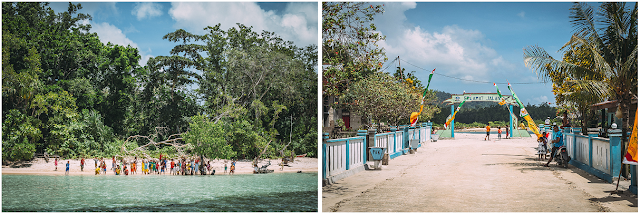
(562, 157)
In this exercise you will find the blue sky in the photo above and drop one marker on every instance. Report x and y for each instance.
(479, 41)
(143, 24)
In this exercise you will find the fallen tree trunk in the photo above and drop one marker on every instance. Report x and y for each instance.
(172, 140)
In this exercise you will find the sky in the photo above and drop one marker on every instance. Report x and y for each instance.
(479, 41)
(143, 24)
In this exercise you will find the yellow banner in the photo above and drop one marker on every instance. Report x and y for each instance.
(452, 117)
(532, 125)
(632, 152)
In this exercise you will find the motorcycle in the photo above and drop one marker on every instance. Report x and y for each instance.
(562, 157)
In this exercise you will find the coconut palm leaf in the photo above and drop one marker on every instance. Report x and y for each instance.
(583, 21)
(599, 88)
(542, 63)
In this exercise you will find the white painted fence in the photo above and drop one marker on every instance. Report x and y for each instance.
(399, 141)
(582, 149)
(600, 154)
(344, 154)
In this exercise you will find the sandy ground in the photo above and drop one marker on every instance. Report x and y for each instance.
(40, 167)
(467, 174)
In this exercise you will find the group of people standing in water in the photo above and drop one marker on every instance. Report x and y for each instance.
(182, 166)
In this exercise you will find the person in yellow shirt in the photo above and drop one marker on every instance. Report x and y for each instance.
(488, 130)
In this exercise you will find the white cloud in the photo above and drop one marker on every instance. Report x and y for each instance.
(521, 14)
(540, 99)
(146, 10)
(308, 10)
(454, 51)
(298, 23)
(144, 56)
(111, 33)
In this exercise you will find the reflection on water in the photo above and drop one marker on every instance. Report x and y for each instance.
(265, 192)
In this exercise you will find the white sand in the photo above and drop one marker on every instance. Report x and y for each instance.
(40, 167)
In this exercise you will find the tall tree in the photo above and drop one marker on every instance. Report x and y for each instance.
(349, 44)
(611, 39)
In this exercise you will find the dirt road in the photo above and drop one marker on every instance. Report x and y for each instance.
(471, 175)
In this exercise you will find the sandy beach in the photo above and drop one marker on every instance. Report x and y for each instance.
(41, 167)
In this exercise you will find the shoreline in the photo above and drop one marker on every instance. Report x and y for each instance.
(40, 167)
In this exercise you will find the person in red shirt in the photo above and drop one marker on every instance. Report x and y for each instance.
(82, 164)
(488, 130)
(173, 164)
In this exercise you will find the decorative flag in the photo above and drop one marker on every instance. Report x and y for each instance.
(524, 113)
(500, 94)
(429, 82)
(453, 116)
(632, 152)
(414, 116)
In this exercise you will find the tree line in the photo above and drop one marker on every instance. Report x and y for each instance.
(226, 94)
(495, 113)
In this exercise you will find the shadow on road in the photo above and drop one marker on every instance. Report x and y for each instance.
(591, 178)
(625, 196)
(335, 189)
(506, 155)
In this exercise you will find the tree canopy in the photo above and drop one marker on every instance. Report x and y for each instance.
(600, 59)
(224, 94)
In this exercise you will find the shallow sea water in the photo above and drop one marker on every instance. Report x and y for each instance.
(259, 192)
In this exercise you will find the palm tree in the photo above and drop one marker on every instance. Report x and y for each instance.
(610, 41)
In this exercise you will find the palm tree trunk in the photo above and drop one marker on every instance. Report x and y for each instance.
(624, 107)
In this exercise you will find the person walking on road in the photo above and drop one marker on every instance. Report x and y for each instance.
(499, 133)
(488, 130)
(506, 136)
(557, 143)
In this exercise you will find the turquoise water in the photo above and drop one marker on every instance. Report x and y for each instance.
(260, 192)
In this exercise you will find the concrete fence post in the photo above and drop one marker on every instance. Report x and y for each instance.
(363, 133)
(615, 136)
(325, 137)
(591, 136)
(371, 142)
(394, 129)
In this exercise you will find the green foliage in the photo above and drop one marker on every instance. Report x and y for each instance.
(349, 44)
(207, 138)
(385, 99)
(19, 135)
(64, 92)
(258, 75)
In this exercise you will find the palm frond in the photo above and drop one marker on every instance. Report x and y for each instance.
(543, 64)
(583, 21)
(599, 88)
(632, 61)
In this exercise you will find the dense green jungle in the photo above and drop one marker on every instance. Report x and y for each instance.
(230, 93)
